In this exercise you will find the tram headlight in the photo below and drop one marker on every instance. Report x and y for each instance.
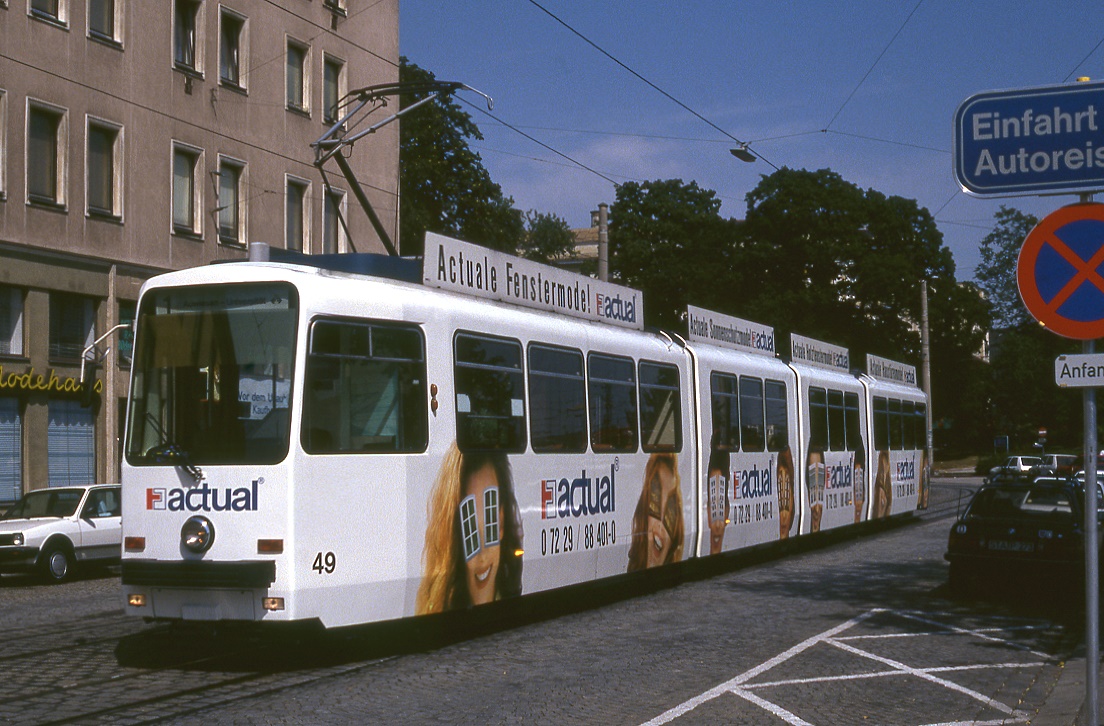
(198, 534)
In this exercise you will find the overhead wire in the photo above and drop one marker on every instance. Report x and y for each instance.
(640, 77)
(873, 66)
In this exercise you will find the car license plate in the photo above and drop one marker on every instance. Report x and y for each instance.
(1001, 545)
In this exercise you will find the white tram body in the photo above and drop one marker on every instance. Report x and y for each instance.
(898, 428)
(311, 444)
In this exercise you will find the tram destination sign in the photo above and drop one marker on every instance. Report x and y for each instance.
(1031, 141)
(818, 353)
(724, 330)
(451, 264)
(890, 371)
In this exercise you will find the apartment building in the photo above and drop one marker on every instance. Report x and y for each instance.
(141, 136)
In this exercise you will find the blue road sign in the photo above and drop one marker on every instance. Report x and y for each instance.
(1031, 141)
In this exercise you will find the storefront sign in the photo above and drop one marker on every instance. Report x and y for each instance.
(31, 381)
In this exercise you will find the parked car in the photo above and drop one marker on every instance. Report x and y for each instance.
(1024, 529)
(50, 531)
(1060, 465)
(1015, 467)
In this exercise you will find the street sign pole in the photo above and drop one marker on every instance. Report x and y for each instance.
(1092, 570)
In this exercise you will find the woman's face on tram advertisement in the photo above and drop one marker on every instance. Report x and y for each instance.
(785, 494)
(814, 482)
(925, 480)
(717, 500)
(664, 512)
(480, 530)
(858, 486)
(717, 508)
(883, 487)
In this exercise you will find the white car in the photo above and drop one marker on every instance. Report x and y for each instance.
(50, 530)
(1016, 466)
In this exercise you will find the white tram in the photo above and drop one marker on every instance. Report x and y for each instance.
(308, 441)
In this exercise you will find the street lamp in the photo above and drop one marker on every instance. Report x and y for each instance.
(742, 153)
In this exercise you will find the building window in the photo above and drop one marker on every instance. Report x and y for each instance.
(47, 140)
(187, 193)
(186, 35)
(232, 49)
(72, 325)
(127, 311)
(54, 11)
(297, 219)
(103, 20)
(70, 444)
(11, 450)
(11, 320)
(298, 80)
(333, 89)
(230, 202)
(105, 170)
(333, 214)
(337, 6)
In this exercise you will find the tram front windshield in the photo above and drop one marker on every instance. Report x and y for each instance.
(212, 375)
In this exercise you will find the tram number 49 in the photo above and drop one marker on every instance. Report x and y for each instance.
(324, 563)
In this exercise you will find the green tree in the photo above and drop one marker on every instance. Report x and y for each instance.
(1023, 394)
(668, 240)
(443, 184)
(996, 273)
(546, 237)
(840, 263)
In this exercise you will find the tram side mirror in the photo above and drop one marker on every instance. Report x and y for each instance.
(88, 387)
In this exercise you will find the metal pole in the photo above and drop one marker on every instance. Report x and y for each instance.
(1092, 571)
(925, 363)
(603, 242)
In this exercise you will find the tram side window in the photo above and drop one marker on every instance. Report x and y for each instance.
(881, 423)
(726, 412)
(896, 425)
(557, 400)
(490, 394)
(660, 408)
(778, 423)
(851, 422)
(921, 423)
(752, 419)
(612, 383)
(365, 389)
(818, 419)
(908, 424)
(837, 437)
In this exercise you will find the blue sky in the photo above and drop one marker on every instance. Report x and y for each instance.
(884, 78)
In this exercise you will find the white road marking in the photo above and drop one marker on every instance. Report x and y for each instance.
(741, 687)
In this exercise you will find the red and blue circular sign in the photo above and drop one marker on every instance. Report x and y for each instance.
(1060, 271)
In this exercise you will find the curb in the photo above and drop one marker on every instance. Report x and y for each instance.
(1065, 703)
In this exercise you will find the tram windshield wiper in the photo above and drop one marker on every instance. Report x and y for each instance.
(172, 453)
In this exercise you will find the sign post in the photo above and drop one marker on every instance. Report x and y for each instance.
(1058, 278)
(1050, 140)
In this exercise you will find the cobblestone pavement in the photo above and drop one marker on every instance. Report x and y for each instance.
(859, 630)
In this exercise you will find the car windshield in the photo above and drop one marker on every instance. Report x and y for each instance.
(46, 503)
(1011, 502)
(212, 375)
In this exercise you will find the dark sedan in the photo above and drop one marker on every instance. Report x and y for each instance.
(1020, 530)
